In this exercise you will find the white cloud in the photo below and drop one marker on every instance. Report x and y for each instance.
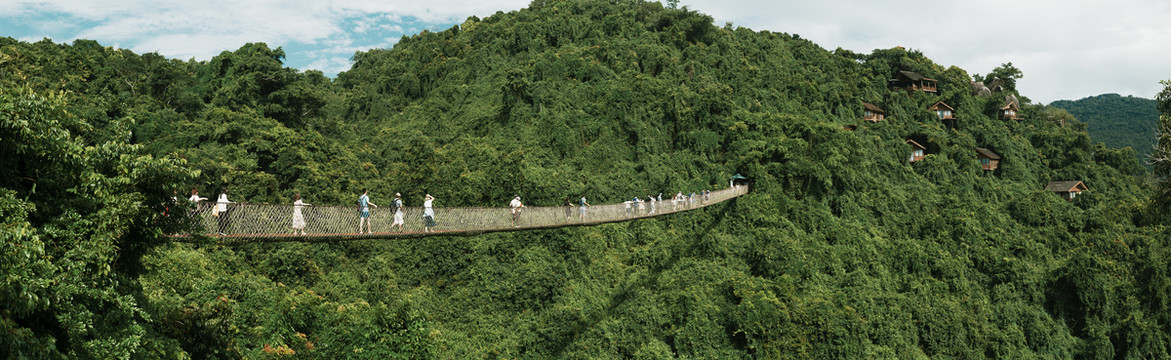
(434, 11)
(202, 29)
(1065, 49)
(31, 39)
(391, 28)
(331, 65)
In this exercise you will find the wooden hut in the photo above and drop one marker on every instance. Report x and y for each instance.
(944, 111)
(1067, 189)
(1011, 110)
(872, 113)
(918, 151)
(912, 81)
(988, 159)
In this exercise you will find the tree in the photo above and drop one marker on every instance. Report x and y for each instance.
(1004, 76)
(75, 218)
(1160, 158)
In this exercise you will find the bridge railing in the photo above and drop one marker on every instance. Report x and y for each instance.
(275, 220)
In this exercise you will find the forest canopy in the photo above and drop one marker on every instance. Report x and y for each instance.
(1117, 121)
(843, 249)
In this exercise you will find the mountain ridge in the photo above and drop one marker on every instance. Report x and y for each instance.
(1118, 121)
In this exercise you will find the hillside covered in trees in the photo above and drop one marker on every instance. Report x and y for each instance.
(1116, 120)
(843, 249)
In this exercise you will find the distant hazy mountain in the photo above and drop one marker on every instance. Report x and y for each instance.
(1116, 120)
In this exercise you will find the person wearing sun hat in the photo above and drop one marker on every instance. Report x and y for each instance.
(397, 206)
(516, 206)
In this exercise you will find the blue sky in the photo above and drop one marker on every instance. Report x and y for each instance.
(321, 35)
(1066, 49)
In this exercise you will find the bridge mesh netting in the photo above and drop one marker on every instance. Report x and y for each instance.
(260, 222)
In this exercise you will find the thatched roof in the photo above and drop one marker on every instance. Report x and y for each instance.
(913, 75)
(916, 145)
(940, 105)
(873, 108)
(1010, 100)
(988, 153)
(1066, 186)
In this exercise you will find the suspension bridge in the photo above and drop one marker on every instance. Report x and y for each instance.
(273, 222)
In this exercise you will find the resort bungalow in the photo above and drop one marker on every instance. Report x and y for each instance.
(872, 113)
(912, 81)
(988, 159)
(945, 112)
(918, 151)
(1010, 111)
(1067, 189)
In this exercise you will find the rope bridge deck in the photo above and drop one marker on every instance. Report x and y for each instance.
(269, 222)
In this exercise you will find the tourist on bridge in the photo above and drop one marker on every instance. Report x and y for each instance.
(397, 206)
(428, 213)
(195, 199)
(678, 199)
(627, 203)
(195, 196)
(222, 212)
(568, 208)
(516, 206)
(581, 203)
(364, 205)
(650, 205)
(298, 218)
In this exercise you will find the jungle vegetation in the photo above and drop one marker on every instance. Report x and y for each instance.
(843, 249)
(1117, 121)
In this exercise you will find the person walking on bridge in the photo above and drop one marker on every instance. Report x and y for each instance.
(222, 212)
(364, 205)
(428, 214)
(195, 198)
(397, 206)
(581, 203)
(516, 206)
(568, 208)
(298, 218)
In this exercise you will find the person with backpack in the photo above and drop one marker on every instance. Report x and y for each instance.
(581, 203)
(364, 205)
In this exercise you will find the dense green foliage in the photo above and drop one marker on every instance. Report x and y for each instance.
(842, 250)
(1116, 120)
(1160, 158)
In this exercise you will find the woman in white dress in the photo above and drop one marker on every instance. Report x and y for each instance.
(223, 212)
(428, 214)
(298, 218)
(397, 204)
